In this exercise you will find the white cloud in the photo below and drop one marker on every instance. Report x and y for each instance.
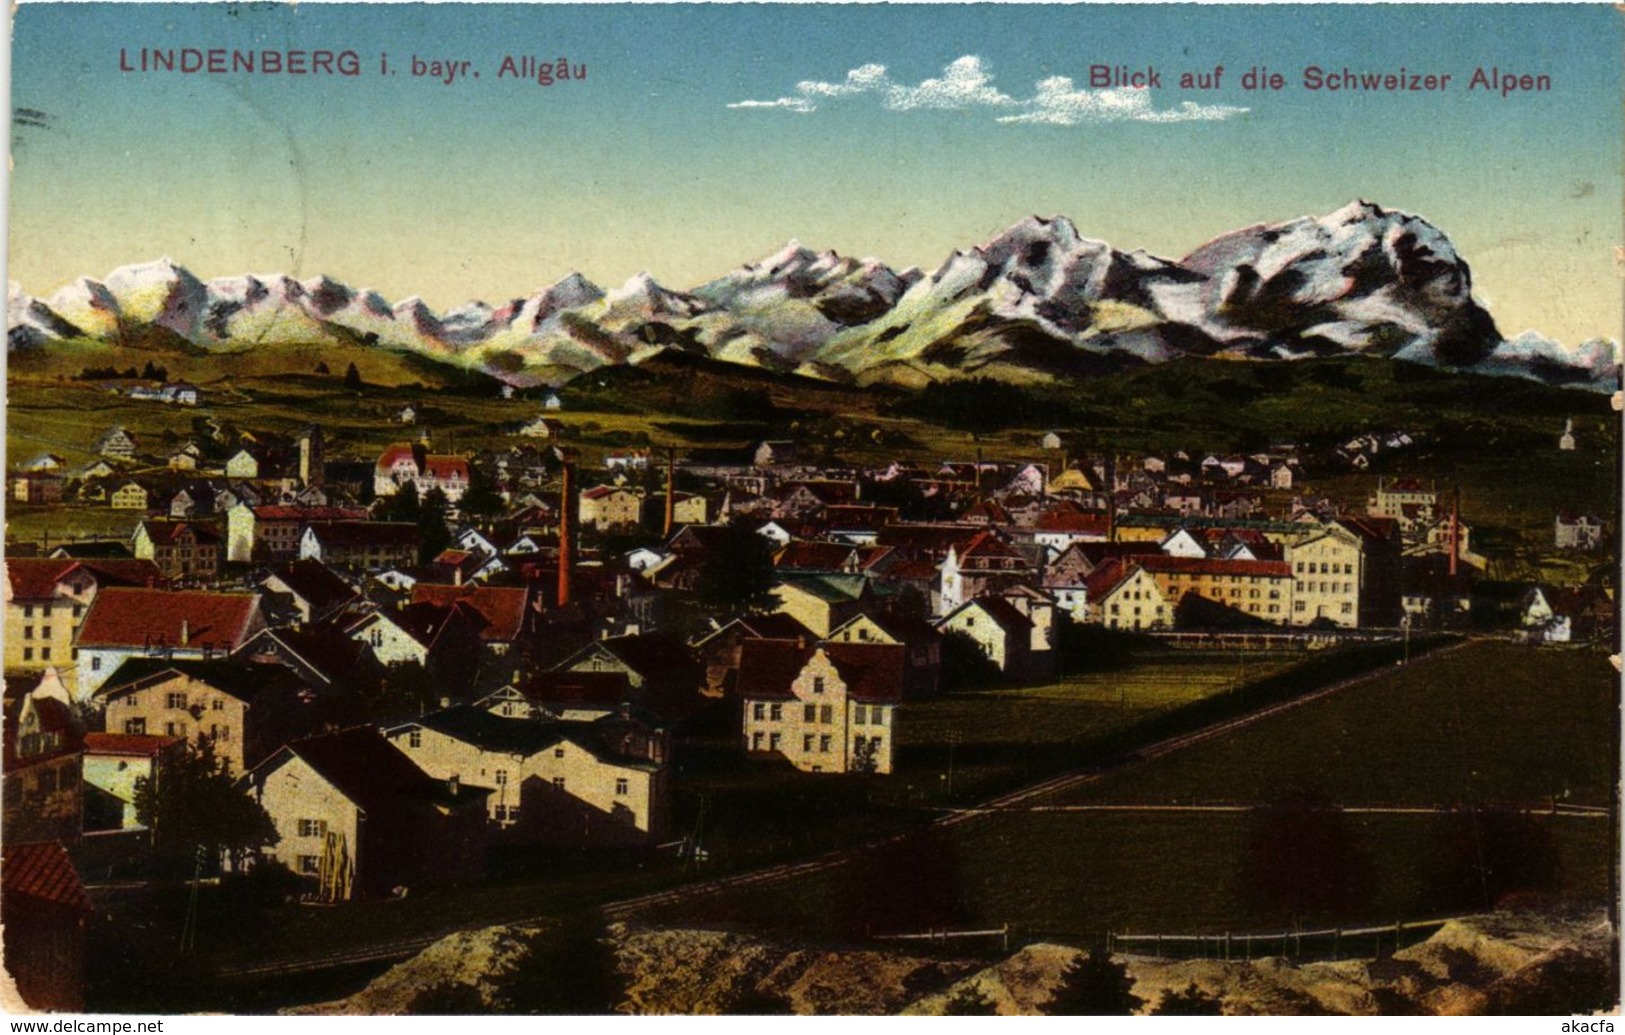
(966, 83)
(963, 84)
(1058, 102)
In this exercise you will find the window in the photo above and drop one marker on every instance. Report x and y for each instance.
(28, 610)
(169, 730)
(1298, 605)
(45, 632)
(45, 654)
(501, 813)
(823, 744)
(558, 781)
(558, 752)
(758, 710)
(513, 813)
(502, 779)
(1348, 608)
(621, 786)
(806, 742)
(28, 654)
(818, 684)
(756, 741)
(827, 714)
(773, 742)
(414, 739)
(861, 716)
(28, 632)
(877, 715)
(78, 609)
(175, 700)
(313, 828)
(309, 864)
(775, 713)
(809, 713)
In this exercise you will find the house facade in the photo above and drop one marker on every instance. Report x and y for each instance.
(827, 709)
(597, 783)
(358, 819)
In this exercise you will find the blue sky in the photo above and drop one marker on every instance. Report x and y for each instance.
(659, 160)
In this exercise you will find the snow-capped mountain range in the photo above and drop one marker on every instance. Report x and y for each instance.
(1038, 301)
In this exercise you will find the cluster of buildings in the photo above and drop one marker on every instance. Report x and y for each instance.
(394, 712)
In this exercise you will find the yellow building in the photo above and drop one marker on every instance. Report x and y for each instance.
(1326, 578)
(129, 496)
(608, 507)
(245, 710)
(603, 782)
(826, 709)
(1261, 589)
(46, 599)
(1126, 596)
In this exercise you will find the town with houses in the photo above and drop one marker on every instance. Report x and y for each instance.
(413, 658)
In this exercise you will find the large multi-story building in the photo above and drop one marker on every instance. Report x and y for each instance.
(831, 708)
(46, 600)
(1259, 589)
(180, 549)
(1327, 577)
(405, 462)
(603, 782)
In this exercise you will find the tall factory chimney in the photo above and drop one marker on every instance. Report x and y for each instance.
(671, 491)
(567, 530)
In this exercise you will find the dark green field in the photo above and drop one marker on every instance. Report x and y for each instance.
(1487, 727)
(1488, 724)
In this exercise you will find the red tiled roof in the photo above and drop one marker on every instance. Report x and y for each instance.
(872, 672)
(605, 689)
(122, 617)
(393, 452)
(35, 578)
(446, 468)
(502, 607)
(278, 513)
(768, 667)
(819, 556)
(986, 545)
(1082, 522)
(169, 531)
(367, 533)
(1106, 577)
(1158, 564)
(43, 871)
(148, 744)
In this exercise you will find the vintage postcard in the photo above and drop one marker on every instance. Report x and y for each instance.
(843, 510)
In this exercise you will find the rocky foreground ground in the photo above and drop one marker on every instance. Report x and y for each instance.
(1507, 962)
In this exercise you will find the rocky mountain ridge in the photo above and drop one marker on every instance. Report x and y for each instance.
(1036, 302)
